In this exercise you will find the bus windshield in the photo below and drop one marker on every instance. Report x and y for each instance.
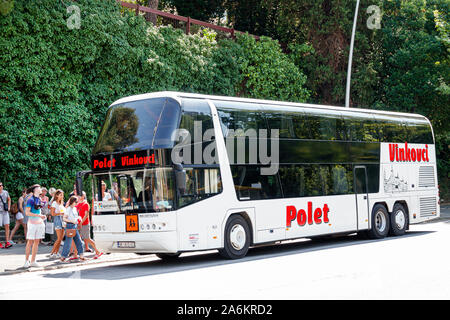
(138, 191)
(139, 125)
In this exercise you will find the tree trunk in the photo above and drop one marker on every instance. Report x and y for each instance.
(150, 16)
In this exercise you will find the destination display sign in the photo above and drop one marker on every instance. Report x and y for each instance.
(126, 160)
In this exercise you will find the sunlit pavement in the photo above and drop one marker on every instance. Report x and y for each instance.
(413, 266)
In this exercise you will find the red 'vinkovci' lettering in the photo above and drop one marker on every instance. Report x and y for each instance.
(135, 160)
(407, 154)
(124, 161)
(317, 216)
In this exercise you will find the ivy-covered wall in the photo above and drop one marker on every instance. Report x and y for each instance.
(56, 82)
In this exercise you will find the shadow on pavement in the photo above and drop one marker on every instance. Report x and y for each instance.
(206, 260)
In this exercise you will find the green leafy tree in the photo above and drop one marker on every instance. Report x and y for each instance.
(204, 10)
(268, 73)
(57, 82)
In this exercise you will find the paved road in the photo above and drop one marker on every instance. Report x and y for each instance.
(415, 266)
(12, 259)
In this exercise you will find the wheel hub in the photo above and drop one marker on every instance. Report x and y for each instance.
(380, 221)
(400, 219)
(237, 237)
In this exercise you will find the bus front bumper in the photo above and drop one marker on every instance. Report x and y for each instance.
(139, 242)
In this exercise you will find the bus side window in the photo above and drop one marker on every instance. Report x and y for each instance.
(251, 185)
(301, 130)
(282, 121)
(307, 180)
(373, 176)
(292, 180)
(244, 116)
(391, 129)
(339, 179)
(419, 131)
(195, 112)
(201, 183)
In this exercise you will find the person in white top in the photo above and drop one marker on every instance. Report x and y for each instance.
(57, 210)
(106, 196)
(72, 220)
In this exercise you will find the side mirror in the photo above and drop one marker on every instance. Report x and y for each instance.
(79, 184)
(180, 176)
(79, 181)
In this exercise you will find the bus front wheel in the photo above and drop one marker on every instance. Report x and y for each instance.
(237, 238)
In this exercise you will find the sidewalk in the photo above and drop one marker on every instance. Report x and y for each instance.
(13, 259)
(445, 211)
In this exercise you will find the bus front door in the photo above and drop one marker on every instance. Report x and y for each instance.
(362, 197)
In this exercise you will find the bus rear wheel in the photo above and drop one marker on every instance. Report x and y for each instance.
(237, 238)
(380, 222)
(399, 220)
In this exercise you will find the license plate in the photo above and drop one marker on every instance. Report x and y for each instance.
(126, 244)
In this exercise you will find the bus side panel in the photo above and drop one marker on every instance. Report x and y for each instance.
(192, 226)
(407, 178)
(305, 217)
(200, 224)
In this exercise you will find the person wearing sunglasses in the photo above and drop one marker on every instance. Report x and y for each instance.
(35, 227)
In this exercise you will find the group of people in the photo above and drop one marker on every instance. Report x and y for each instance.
(70, 220)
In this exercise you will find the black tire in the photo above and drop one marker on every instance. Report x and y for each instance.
(236, 238)
(399, 220)
(168, 256)
(380, 222)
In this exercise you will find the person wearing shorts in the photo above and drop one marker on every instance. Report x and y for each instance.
(35, 226)
(57, 210)
(5, 204)
(85, 231)
(20, 217)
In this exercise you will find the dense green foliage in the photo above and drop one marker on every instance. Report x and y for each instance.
(401, 66)
(56, 82)
(198, 9)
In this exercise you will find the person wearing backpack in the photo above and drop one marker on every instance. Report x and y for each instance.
(5, 204)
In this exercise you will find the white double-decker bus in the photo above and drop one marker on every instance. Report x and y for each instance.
(175, 172)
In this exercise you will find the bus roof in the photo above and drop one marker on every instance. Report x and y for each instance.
(178, 95)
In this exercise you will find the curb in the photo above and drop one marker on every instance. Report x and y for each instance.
(58, 265)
